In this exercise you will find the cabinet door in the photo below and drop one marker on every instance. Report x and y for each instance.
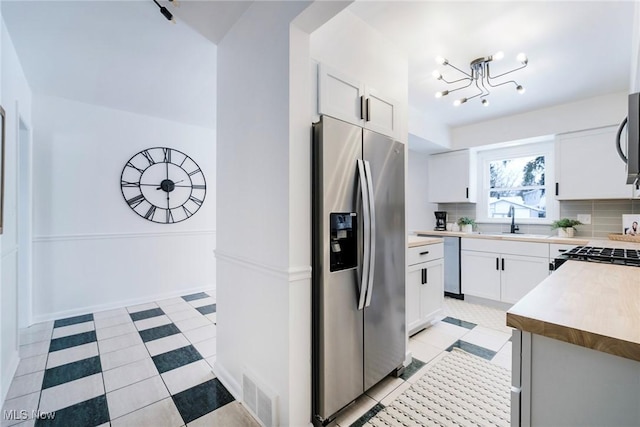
(413, 285)
(481, 274)
(340, 96)
(520, 275)
(432, 292)
(451, 177)
(380, 113)
(588, 166)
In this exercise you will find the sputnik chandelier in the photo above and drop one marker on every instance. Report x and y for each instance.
(480, 77)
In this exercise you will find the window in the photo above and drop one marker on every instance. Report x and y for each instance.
(515, 181)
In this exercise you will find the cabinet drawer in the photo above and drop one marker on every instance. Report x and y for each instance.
(425, 253)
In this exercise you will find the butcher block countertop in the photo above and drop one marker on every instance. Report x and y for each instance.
(415, 241)
(507, 236)
(589, 304)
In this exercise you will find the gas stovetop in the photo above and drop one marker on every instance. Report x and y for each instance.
(604, 255)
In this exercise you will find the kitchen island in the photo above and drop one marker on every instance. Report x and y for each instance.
(576, 347)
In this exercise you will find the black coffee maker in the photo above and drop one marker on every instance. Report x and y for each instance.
(441, 220)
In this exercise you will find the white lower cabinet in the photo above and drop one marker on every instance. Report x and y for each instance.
(424, 287)
(504, 271)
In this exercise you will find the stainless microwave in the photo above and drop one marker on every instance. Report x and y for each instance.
(632, 122)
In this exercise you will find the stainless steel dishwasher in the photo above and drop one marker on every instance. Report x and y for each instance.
(452, 286)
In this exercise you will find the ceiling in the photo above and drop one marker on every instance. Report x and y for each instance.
(125, 55)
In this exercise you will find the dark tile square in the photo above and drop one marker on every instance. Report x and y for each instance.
(158, 332)
(207, 309)
(368, 415)
(485, 353)
(145, 314)
(72, 341)
(71, 371)
(201, 399)
(90, 413)
(192, 297)
(459, 322)
(175, 358)
(73, 320)
(413, 367)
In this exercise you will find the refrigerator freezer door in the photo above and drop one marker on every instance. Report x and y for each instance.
(384, 328)
(337, 322)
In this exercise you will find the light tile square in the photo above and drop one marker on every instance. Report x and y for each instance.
(128, 374)
(152, 322)
(211, 361)
(487, 338)
(114, 331)
(166, 344)
(72, 354)
(136, 396)
(351, 414)
(162, 413)
(188, 313)
(124, 356)
(174, 308)
(70, 393)
(231, 414)
(187, 376)
(192, 323)
(28, 403)
(35, 336)
(202, 301)
(384, 387)
(213, 317)
(109, 313)
(35, 349)
(42, 326)
(206, 348)
(25, 384)
(119, 342)
(423, 352)
(436, 338)
(108, 322)
(449, 329)
(142, 307)
(74, 329)
(29, 365)
(201, 334)
(169, 302)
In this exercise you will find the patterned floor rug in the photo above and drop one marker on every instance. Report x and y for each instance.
(459, 390)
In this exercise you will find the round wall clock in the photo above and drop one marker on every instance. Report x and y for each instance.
(163, 185)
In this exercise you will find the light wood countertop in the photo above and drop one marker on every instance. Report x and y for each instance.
(416, 241)
(506, 236)
(592, 305)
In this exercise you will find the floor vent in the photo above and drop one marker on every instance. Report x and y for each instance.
(259, 400)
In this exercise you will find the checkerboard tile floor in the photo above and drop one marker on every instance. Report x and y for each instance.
(145, 365)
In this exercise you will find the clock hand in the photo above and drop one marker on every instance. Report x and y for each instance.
(160, 188)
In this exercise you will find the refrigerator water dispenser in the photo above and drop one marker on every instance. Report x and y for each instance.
(344, 241)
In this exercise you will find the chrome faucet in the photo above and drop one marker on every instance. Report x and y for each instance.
(512, 215)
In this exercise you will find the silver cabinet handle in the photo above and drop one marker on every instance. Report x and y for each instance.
(364, 281)
(372, 232)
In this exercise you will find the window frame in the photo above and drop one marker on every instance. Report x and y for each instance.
(544, 148)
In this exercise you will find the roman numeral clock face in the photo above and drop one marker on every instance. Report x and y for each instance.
(163, 185)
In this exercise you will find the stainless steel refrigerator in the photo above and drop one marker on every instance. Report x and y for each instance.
(359, 242)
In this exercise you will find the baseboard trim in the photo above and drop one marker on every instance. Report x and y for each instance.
(102, 236)
(291, 274)
(227, 380)
(118, 304)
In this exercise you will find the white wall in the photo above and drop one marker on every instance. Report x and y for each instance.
(91, 251)
(419, 210)
(16, 101)
(349, 45)
(435, 136)
(590, 113)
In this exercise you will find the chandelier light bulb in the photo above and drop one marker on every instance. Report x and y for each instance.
(497, 56)
(441, 94)
(520, 89)
(459, 102)
(522, 58)
(485, 103)
(441, 61)
(436, 74)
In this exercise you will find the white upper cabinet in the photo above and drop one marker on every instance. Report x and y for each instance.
(452, 177)
(588, 166)
(349, 99)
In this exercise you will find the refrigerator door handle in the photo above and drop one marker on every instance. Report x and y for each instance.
(372, 232)
(362, 183)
